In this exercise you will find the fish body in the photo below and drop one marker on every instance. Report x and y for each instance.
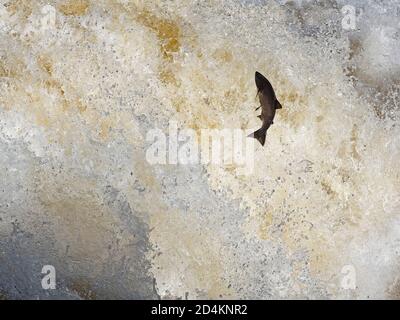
(269, 105)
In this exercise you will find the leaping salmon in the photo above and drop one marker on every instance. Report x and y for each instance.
(269, 105)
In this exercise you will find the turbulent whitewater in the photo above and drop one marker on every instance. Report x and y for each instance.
(82, 83)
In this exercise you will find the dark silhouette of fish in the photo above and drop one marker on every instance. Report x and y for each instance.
(269, 104)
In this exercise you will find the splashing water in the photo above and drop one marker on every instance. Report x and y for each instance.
(76, 103)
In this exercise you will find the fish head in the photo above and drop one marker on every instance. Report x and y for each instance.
(261, 81)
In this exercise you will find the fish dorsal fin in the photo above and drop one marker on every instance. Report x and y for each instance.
(278, 105)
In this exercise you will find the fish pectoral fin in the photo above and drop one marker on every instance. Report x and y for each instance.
(278, 105)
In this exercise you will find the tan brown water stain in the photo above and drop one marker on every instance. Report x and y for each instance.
(6, 71)
(265, 225)
(58, 118)
(169, 35)
(20, 6)
(52, 84)
(67, 99)
(328, 189)
(83, 288)
(167, 76)
(74, 7)
(45, 63)
(39, 110)
(293, 106)
(167, 31)
(11, 67)
(222, 55)
(82, 107)
(207, 109)
(105, 128)
(199, 119)
(68, 103)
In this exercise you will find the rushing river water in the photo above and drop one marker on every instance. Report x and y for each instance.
(83, 82)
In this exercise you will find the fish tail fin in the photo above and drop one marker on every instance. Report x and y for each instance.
(259, 135)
